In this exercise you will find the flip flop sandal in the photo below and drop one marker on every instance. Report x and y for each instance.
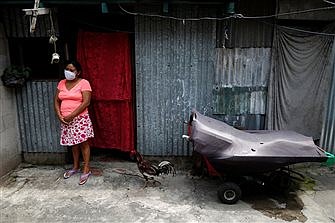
(84, 178)
(69, 173)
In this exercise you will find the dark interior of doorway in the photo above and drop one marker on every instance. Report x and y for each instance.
(102, 155)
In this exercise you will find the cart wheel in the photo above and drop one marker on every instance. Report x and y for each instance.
(279, 181)
(229, 193)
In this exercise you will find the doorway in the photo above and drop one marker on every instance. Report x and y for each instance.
(106, 62)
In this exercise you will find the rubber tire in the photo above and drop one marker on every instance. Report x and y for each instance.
(279, 182)
(229, 193)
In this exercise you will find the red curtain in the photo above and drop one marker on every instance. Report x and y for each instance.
(106, 62)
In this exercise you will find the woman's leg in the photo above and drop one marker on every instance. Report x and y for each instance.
(76, 154)
(85, 151)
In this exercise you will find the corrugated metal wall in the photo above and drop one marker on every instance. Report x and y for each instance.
(177, 69)
(327, 140)
(39, 127)
(242, 33)
(174, 73)
(248, 33)
(240, 86)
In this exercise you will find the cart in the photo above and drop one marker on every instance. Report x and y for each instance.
(237, 155)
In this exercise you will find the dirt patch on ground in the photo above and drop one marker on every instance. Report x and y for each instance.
(286, 208)
(281, 204)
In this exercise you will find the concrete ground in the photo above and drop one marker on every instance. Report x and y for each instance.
(115, 193)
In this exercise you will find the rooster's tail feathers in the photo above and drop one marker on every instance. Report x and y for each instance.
(166, 167)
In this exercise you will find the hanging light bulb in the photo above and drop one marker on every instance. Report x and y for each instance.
(230, 7)
(104, 8)
(52, 40)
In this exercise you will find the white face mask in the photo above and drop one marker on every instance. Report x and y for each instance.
(69, 75)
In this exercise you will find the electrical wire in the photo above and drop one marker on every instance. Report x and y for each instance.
(239, 16)
(179, 19)
(333, 3)
(306, 31)
(297, 29)
(289, 13)
(53, 37)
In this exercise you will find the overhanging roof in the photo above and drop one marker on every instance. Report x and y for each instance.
(90, 2)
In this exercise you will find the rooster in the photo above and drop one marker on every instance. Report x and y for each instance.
(149, 169)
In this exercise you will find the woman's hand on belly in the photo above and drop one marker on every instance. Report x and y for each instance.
(68, 118)
(61, 118)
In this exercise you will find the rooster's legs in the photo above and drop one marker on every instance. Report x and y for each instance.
(152, 180)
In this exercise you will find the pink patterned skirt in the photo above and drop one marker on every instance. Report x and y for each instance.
(77, 131)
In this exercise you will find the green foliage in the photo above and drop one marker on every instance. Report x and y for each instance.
(15, 76)
(308, 184)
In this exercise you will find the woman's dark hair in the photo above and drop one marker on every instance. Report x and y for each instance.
(75, 63)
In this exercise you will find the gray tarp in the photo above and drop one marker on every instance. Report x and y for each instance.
(231, 150)
(299, 81)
